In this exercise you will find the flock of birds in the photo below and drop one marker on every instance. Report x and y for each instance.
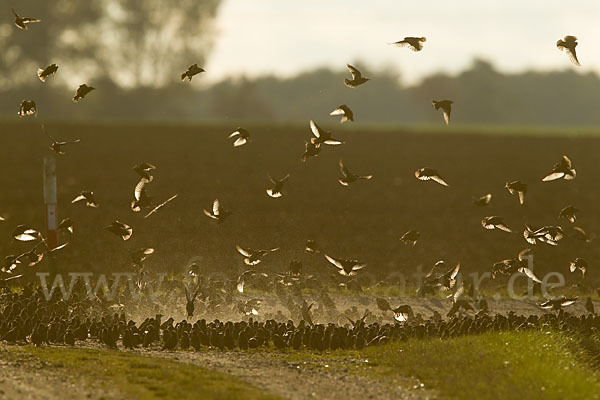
(27, 315)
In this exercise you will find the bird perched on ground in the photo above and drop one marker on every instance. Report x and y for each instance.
(562, 169)
(446, 106)
(425, 174)
(589, 306)
(557, 303)
(277, 189)
(322, 136)
(44, 73)
(413, 43)
(82, 91)
(143, 170)
(568, 213)
(495, 222)
(241, 136)
(310, 150)
(90, 199)
(218, 213)
(568, 45)
(254, 257)
(579, 264)
(120, 229)
(27, 107)
(346, 267)
(190, 298)
(22, 22)
(357, 78)
(348, 177)
(55, 145)
(411, 237)
(483, 201)
(192, 70)
(345, 112)
(517, 188)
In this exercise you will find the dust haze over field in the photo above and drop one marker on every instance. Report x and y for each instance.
(381, 234)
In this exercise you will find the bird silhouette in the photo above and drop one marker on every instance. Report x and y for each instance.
(217, 213)
(88, 197)
(346, 267)
(345, 112)
(569, 213)
(348, 177)
(413, 43)
(562, 169)
(82, 91)
(28, 107)
(192, 70)
(411, 237)
(425, 174)
(446, 106)
(357, 78)
(483, 201)
(322, 136)
(517, 188)
(241, 136)
(120, 229)
(495, 222)
(277, 190)
(22, 22)
(44, 73)
(55, 145)
(568, 45)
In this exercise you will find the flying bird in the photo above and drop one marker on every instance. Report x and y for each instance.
(82, 91)
(310, 150)
(44, 73)
(483, 201)
(143, 170)
(557, 303)
(580, 234)
(345, 112)
(413, 43)
(411, 237)
(547, 234)
(192, 70)
(562, 169)
(23, 233)
(141, 198)
(446, 106)
(357, 78)
(21, 22)
(568, 45)
(241, 136)
(348, 177)
(312, 246)
(66, 225)
(495, 222)
(579, 264)
(27, 107)
(218, 213)
(120, 229)
(346, 267)
(90, 199)
(254, 257)
(517, 188)
(568, 213)
(425, 174)
(55, 145)
(277, 190)
(322, 136)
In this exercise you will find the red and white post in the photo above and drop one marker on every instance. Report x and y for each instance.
(50, 201)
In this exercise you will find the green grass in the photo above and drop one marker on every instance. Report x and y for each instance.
(140, 377)
(513, 365)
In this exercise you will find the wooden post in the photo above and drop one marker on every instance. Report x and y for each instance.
(50, 201)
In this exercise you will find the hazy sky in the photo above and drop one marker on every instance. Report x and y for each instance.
(283, 37)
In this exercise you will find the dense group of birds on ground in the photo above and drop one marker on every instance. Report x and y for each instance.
(27, 316)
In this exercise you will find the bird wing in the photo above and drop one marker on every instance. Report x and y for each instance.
(335, 262)
(529, 274)
(573, 56)
(78, 198)
(139, 188)
(338, 111)
(216, 207)
(343, 169)
(439, 180)
(553, 176)
(316, 130)
(355, 72)
(244, 252)
(161, 205)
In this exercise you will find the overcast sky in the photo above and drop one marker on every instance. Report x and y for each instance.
(283, 37)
